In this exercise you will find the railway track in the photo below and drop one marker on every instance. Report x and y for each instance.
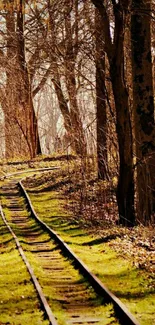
(68, 292)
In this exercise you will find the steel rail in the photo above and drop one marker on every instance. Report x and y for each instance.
(28, 171)
(121, 312)
(36, 284)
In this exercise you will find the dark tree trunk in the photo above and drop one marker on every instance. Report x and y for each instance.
(115, 53)
(143, 109)
(101, 113)
(125, 188)
(15, 144)
(21, 131)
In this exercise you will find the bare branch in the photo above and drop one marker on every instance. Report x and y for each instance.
(42, 82)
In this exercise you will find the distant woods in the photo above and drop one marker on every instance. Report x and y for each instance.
(78, 76)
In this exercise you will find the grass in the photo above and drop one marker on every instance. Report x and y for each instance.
(57, 300)
(22, 298)
(132, 285)
(18, 300)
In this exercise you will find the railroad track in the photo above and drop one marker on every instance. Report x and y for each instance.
(68, 292)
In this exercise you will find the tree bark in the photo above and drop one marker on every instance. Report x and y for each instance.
(69, 109)
(125, 187)
(70, 57)
(21, 136)
(62, 101)
(31, 131)
(115, 52)
(13, 134)
(101, 113)
(143, 104)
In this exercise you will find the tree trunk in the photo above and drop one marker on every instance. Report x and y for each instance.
(62, 102)
(125, 188)
(115, 52)
(26, 102)
(70, 57)
(101, 113)
(20, 120)
(143, 104)
(69, 109)
(13, 134)
(77, 127)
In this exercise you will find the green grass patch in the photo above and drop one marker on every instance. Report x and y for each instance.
(18, 300)
(56, 300)
(133, 286)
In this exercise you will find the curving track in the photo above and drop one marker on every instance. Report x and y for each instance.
(64, 284)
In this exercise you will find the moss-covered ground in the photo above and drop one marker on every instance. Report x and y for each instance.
(41, 266)
(122, 262)
(132, 284)
(18, 300)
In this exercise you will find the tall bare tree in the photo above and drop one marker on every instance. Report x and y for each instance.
(71, 53)
(20, 120)
(101, 113)
(62, 52)
(114, 47)
(13, 134)
(31, 129)
(143, 102)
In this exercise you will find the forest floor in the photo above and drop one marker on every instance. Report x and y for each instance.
(83, 211)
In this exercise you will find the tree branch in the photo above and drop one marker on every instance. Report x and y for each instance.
(106, 27)
(42, 82)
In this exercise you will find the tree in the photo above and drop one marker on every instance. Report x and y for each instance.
(69, 62)
(143, 105)
(13, 134)
(31, 130)
(21, 131)
(62, 49)
(101, 113)
(52, 52)
(114, 47)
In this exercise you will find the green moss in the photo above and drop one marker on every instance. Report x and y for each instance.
(133, 286)
(58, 300)
(18, 299)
